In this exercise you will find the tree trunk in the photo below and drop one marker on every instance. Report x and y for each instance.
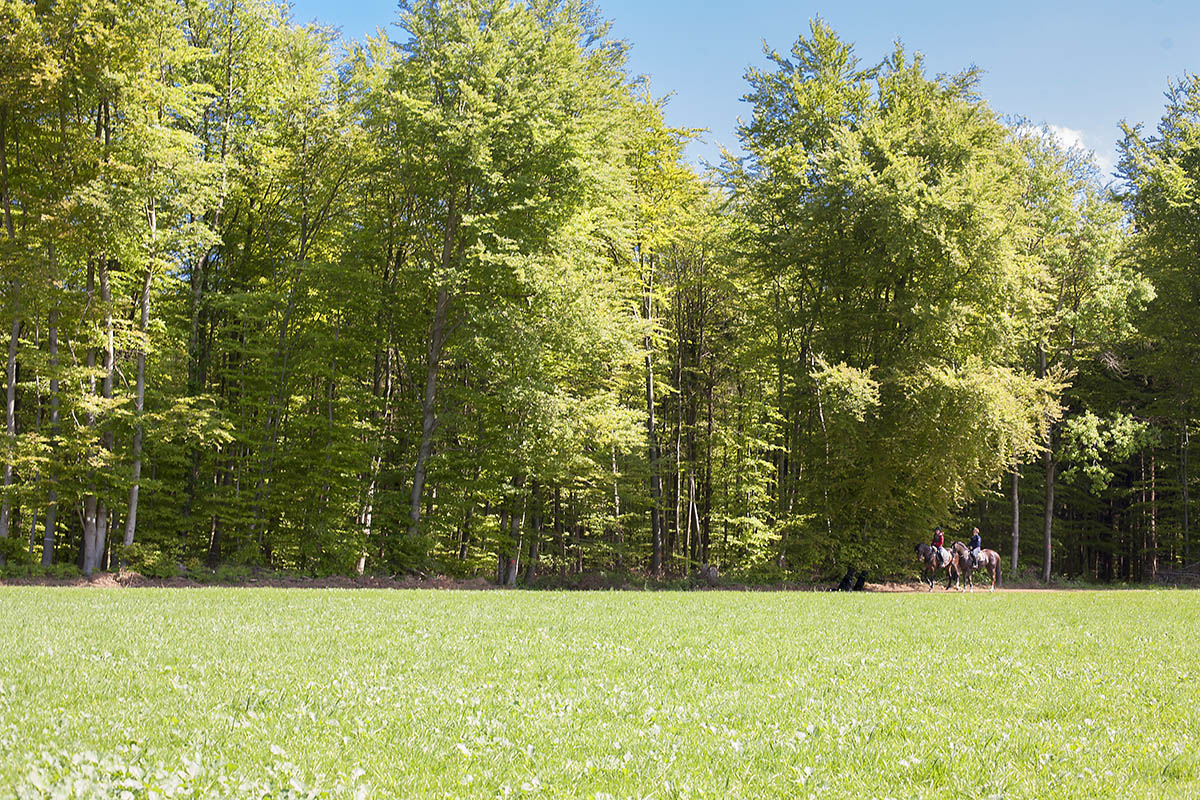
(1048, 530)
(535, 535)
(517, 523)
(438, 331)
(90, 500)
(139, 404)
(1050, 466)
(10, 420)
(106, 391)
(693, 519)
(464, 542)
(437, 341)
(618, 539)
(1153, 552)
(89, 532)
(656, 558)
(560, 533)
(501, 555)
(1016, 518)
(707, 493)
(1183, 479)
(679, 535)
(11, 396)
(52, 502)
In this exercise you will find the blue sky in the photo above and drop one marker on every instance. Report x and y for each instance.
(1079, 66)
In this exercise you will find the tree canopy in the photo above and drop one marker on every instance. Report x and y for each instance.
(457, 301)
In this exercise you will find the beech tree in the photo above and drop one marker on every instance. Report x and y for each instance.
(1161, 169)
(460, 302)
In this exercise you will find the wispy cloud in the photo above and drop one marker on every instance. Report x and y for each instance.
(1073, 139)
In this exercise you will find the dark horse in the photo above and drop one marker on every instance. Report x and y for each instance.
(988, 559)
(928, 557)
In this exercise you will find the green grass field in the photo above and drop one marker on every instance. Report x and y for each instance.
(298, 693)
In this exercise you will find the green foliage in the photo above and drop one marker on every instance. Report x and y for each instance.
(1092, 445)
(149, 561)
(878, 224)
(14, 552)
(447, 302)
(63, 571)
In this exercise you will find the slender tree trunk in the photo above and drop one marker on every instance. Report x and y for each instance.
(707, 492)
(106, 391)
(516, 531)
(560, 533)
(10, 421)
(437, 341)
(1153, 518)
(656, 537)
(464, 542)
(52, 504)
(11, 372)
(1016, 518)
(1183, 480)
(501, 555)
(618, 539)
(1050, 467)
(90, 501)
(535, 534)
(438, 333)
(693, 518)
(1143, 552)
(1048, 530)
(139, 404)
(781, 466)
(679, 392)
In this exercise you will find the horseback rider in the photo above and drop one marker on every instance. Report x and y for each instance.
(938, 539)
(975, 547)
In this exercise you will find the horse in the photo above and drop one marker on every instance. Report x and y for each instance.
(988, 559)
(928, 557)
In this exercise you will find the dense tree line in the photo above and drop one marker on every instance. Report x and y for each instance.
(458, 302)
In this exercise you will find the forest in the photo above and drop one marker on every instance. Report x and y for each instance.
(453, 299)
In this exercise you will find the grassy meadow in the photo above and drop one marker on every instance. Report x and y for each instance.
(334, 693)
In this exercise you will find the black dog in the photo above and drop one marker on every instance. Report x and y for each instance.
(847, 582)
(861, 582)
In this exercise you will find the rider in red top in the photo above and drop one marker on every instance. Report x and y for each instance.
(938, 539)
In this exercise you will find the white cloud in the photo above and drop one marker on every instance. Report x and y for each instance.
(1067, 137)
(1073, 139)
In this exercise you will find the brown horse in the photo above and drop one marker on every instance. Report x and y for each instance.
(988, 559)
(928, 557)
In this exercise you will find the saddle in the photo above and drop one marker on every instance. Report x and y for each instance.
(943, 556)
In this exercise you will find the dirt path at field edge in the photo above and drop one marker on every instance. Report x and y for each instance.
(133, 580)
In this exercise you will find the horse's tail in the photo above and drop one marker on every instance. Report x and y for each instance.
(999, 563)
